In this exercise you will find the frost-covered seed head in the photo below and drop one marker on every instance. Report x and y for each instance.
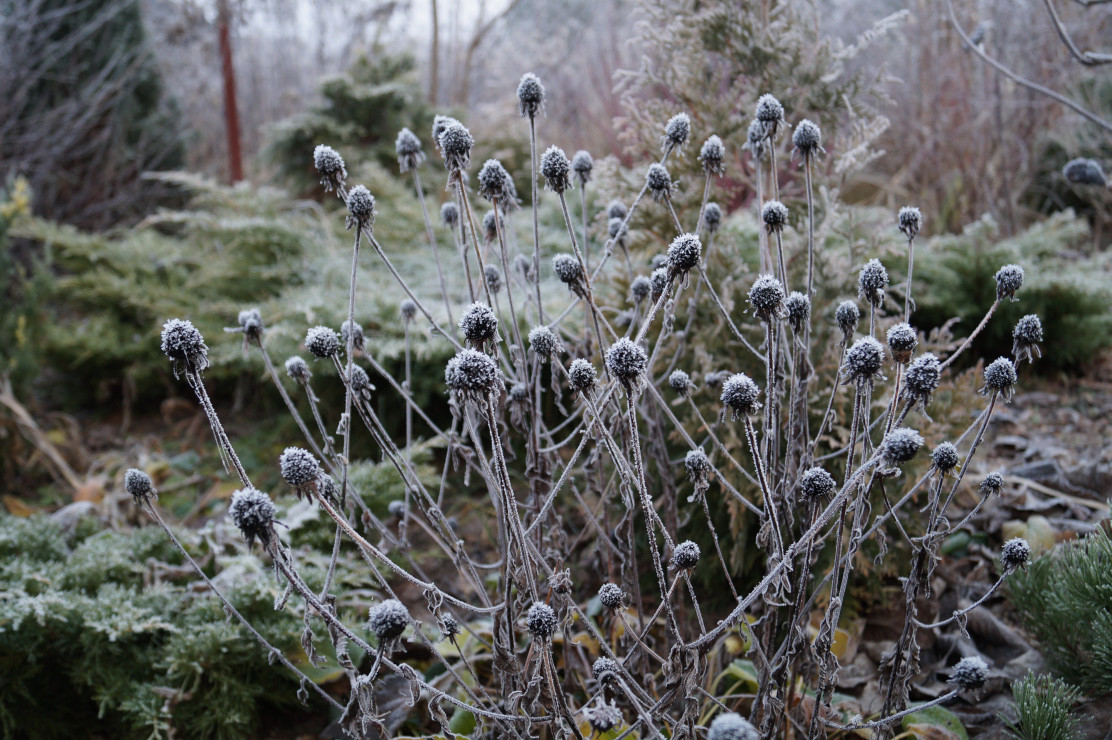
(298, 369)
(1000, 377)
(322, 342)
(493, 278)
(582, 164)
(658, 281)
(616, 209)
(864, 360)
(617, 228)
(902, 341)
(910, 220)
(658, 261)
(604, 670)
(408, 310)
(1084, 172)
(676, 132)
(567, 268)
(659, 181)
(530, 95)
(543, 342)
(184, 346)
(712, 217)
(1015, 553)
(251, 324)
(439, 124)
(769, 110)
(872, 282)
(494, 181)
(541, 621)
(740, 394)
(640, 288)
(298, 466)
(582, 375)
(798, 307)
(766, 297)
(455, 143)
(358, 340)
(847, 317)
(945, 458)
(626, 360)
(603, 717)
(807, 138)
(330, 167)
(138, 484)
(1009, 279)
(679, 382)
(992, 484)
(519, 392)
(815, 483)
(472, 373)
(479, 324)
(1027, 334)
(712, 156)
(555, 168)
(253, 513)
(686, 555)
(922, 378)
(492, 221)
(361, 208)
(388, 620)
(900, 445)
(524, 265)
(731, 726)
(360, 383)
(449, 215)
(697, 464)
(396, 508)
(969, 674)
(611, 595)
(775, 215)
(408, 148)
(449, 626)
(755, 139)
(684, 253)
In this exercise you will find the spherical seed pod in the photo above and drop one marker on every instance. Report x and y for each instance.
(1084, 172)
(640, 289)
(361, 208)
(815, 483)
(900, 445)
(555, 167)
(449, 215)
(697, 464)
(298, 369)
(807, 139)
(679, 382)
(769, 110)
(945, 458)
(330, 167)
(358, 340)
(617, 228)
(1009, 279)
(731, 726)
(1027, 334)
(873, 282)
(455, 144)
(519, 393)
(494, 181)
(1015, 554)
(910, 220)
(739, 394)
(686, 555)
(684, 253)
(543, 342)
(582, 164)
(775, 216)
(439, 124)
(902, 341)
(541, 621)
(493, 278)
(361, 384)
(712, 217)
(611, 596)
(472, 374)
(676, 132)
(766, 298)
(626, 360)
(388, 620)
(658, 281)
(184, 346)
(408, 148)
(755, 140)
(479, 324)
(1000, 377)
(847, 317)
(712, 156)
(322, 342)
(138, 484)
(408, 310)
(605, 670)
(659, 181)
(992, 484)
(567, 268)
(449, 627)
(658, 261)
(616, 209)
(251, 324)
(492, 221)
(582, 375)
(921, 379)
(603, 717)
(396, 508)
(798, 307)
(530, 95)
(969, 674)
(253, 513)
(864, 361)
(299, 467)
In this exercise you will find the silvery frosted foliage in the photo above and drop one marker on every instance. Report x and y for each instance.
(712, 217)
(755, 140)
(617, 229)
(361, 384)
(138, 484)
(473, 374)
(910, 220)
(408, 148)
(731, 726)
(945, 457)
(1027, 334)
(712, 156)
(611, 595)
(555, 168)
(769, 113)
(900, 445)
(408, 310)
(921, 380)
(494, 182)
(798, 307)
(815, 483)
(388, 620)
(992, 484)
(739, 394)
(322, 342)
(807, 139)
(253, 513)
(449, 215)
(184, 346)
(676, 132)
(530, 95)
(847, 315)
(863, 363)
(774, 214)
(358, 340)
(330, 167)
(582, 375)
(439, 124)
(697, 464)
(455, 144)
(361, 208)
(604, 670)
(1009, 279)
(902, 341)
(626, 360)
(1000, 377)
(872, 282)
(603, 717)
(1084, 172)
(543, 341)
(298, 369)
(766, 298)
(969, 673)
(684, 253)
(567, 268)
(479, 324)
(686, 555)
(641, 288)
(493, 278)
(582, 164)
(1015, 553)
(299, 467)
(541, 621)
(658, 181)
(679, 382)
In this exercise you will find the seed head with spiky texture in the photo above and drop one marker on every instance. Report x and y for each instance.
(358, 339)
(455, 144)
(298, 369)
(864, 362)
(900, 445)
(361, 208)
(530, 95)
(739, 394)
(945, 457)
(479, 324)
(253, 512)
(658, 280)
(611, 595)
(408, 148)
(1027, 334)
(495, 182)
(1015, 554)
(322, 342)
(712, 156)
(617, 229)
(603, 717)
(922, 377)
(755, 140)
(361, 384)
(712, 217)
(408, 310)
(659, 182)
(1000, 377)
(250, 325)
(439, 124)
(330, 167)
(815, 483)
(640, 288)
(1084, 172)
(969, 674)
(775, 216)
(766, 298)
(541, 621)
(627, 361)
(731, 726)
(770, 113)
(676, 132)
(993, 483)
(184, 346)
(299, 467)
(138, 484)
(902, 341)
(543, 342)
(910, 220)
(582, 165)
(604, 670)
(872, 282)
(684, 253)
(697, 464)
(679, 382)
(582, 375)
(493, 278)
(686, 555)
(847, 316)
(449, 215)
(555, 168)
(1009, 279)
(388, 620)
(798, 307)
(807, 139)
(616, 209)
(567, 268)
(473, 374)
(492, 221)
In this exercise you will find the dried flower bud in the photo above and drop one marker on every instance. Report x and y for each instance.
(684, 253)
(408, 148)
(807, 139)
(775, 216)
(493, 278)
(910, 220)
(138, 484)
(449, 627)
(697, 464)
(298, 369)
(1000, 377)
(582, 375)
(658, 280)
(555, 168)
(847, 317)
(322, 342)
(902, 341)
(408, 310)
(479, 324)
(604, 717)
(921, 380)
(863, 362)
(530, 95)
(388, 620)
(299, 468)
(712, 217)
(766, 298)
(815, 483)
(992, 484)
(439, 124)
(455, 144)
(686, 555)
(872, 282)
(1009, 279)
(969, 674)
(494, 181)
(1084, 172)
(900, 445)
(361, 208)
(582, 164)
(1028, 332)
(712, 156)
(770, 114)
(449, 215)
(740, 393)
(680, 382)
(492, 222)
(473, 374)
(755, 140)
(731, 726)
(541, 621)
(611, 596)
(184, 346)
(604, 670)
(568, 269)
(253, 512)
(640, 288)
(626, 360)
(658, 181)
(1015, 554)
(330, 167)
(798, 307)
(616, 209)
(617, 228)
(250, 324)
(358, 340)
(543, 342)
(361, 384)
(945, 457)
(676, 132)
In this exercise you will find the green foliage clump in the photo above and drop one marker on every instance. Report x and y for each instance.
(1065, 600)
(1042, 706)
